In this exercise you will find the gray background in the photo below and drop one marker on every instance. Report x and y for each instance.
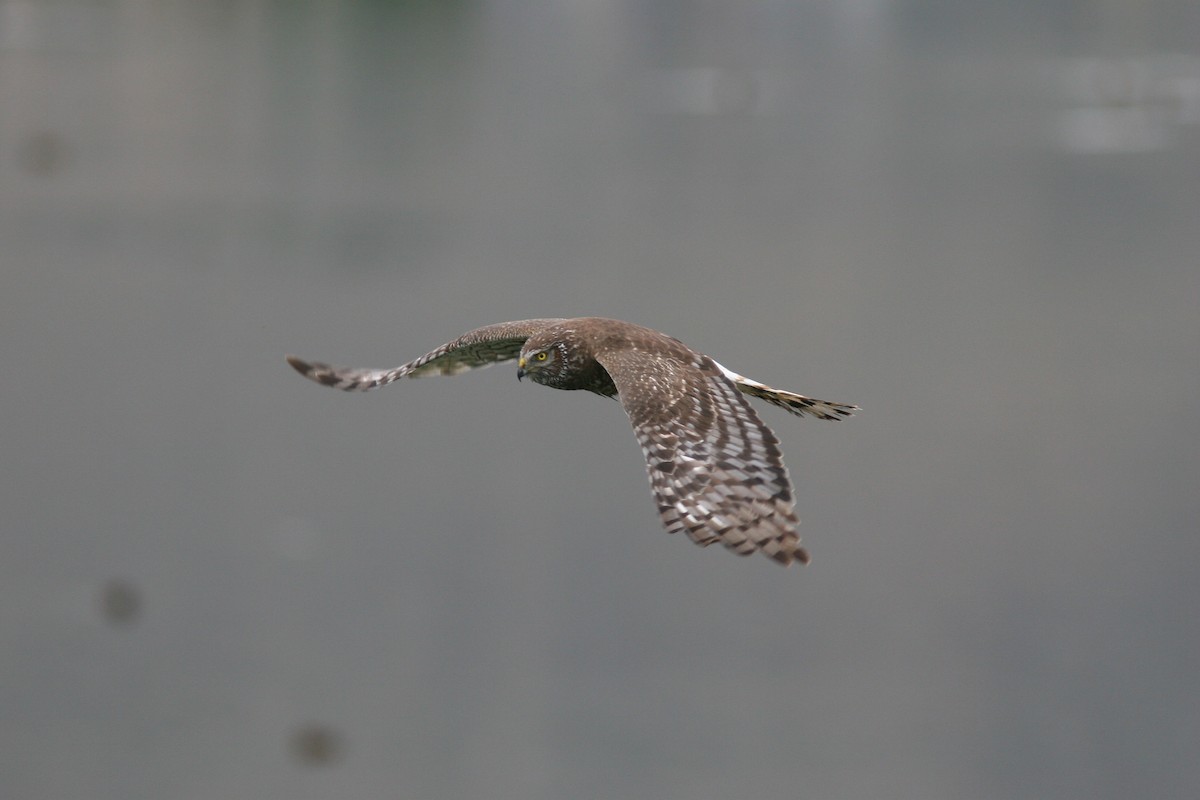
(979, 221)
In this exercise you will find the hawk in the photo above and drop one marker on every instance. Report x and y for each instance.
(715, 468)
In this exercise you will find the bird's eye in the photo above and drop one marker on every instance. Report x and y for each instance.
(542, 356)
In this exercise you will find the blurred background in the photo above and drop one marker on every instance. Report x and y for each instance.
(979, 221)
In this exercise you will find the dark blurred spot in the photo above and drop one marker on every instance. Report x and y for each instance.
(120, 602)
(316, 744)
(42, 153)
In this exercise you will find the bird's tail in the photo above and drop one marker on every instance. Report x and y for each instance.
(794, 403)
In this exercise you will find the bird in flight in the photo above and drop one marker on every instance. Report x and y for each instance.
(716, 470)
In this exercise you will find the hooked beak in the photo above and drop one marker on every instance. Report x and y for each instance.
(520, 368)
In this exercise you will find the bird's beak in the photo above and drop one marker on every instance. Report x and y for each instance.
(520, 368)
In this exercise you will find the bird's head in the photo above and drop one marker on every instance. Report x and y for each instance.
(545, 361)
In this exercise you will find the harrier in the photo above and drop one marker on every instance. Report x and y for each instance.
(715, 468)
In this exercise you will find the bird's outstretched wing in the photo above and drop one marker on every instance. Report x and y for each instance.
(481, 347)
(715, 468)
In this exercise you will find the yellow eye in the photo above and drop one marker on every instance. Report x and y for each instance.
(542, 356)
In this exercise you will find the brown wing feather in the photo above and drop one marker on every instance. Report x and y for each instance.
(715, 468)
(482, 347)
